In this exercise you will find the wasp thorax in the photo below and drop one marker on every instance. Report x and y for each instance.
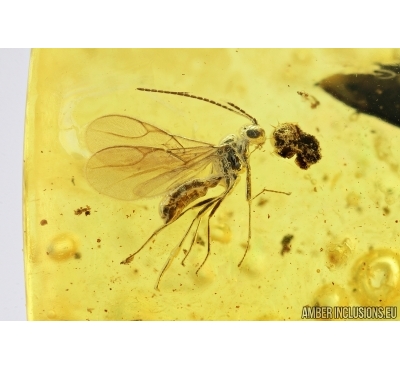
(228, 139)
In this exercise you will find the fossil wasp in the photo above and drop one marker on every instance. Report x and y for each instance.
(133, 159)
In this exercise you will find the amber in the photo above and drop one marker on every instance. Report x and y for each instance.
(334, 241)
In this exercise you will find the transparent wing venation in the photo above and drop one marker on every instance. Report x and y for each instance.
(114, 130)
(133, 159)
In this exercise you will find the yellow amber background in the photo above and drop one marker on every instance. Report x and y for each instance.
(343, 211)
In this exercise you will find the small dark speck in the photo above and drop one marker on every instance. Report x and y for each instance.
(81, 210)
(43, 222)
(286, 246)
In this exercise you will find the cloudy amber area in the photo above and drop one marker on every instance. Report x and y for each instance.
(343, 212)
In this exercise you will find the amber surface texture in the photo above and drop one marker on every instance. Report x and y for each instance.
(334, 241)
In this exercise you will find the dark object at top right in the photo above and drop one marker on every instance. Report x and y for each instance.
(377, 94)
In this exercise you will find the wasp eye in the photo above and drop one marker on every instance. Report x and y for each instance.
(253, 134)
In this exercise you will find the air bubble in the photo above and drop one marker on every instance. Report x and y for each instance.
(62, 247)
(221, 232)
(331, 295)
(51, 315)
(338, 254)
(377, 277)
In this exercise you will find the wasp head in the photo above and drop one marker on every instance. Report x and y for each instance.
(254, 134)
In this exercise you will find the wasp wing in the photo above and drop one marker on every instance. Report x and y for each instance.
(133, 172)
(115, 131)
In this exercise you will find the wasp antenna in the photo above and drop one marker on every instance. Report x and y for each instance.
(236, 109)
(243, 112)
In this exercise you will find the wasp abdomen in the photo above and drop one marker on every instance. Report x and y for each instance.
(177, 200)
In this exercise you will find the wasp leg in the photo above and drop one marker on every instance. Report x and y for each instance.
(249, 199)
(207, 204)
(130, 258)
(270, 191)
(215, 207)
(193, 240)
